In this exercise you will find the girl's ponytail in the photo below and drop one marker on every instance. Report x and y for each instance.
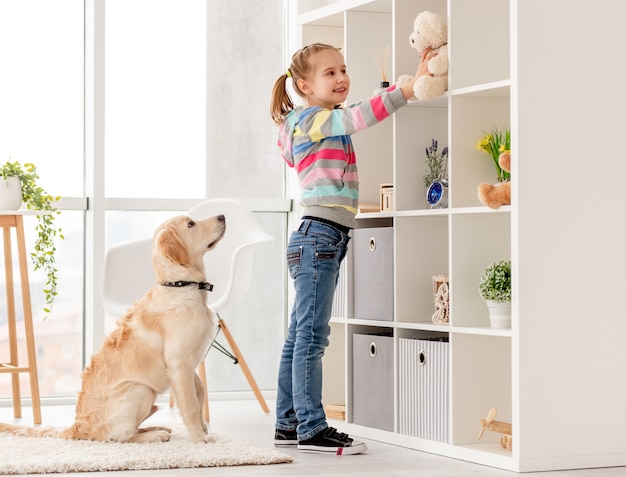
(281, 102)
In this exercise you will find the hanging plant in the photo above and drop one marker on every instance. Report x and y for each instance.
(36, 198)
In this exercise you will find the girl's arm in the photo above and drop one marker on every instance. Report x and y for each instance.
(319, 123)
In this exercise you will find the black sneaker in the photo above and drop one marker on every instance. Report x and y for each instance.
(329, 441)
(285, 438)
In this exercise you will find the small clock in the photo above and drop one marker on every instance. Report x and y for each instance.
(437, 194)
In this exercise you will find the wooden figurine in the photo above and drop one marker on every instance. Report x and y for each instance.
(504, 428)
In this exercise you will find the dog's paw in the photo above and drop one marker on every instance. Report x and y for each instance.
(149, 435)
(161, 435)
(155, 428)
(207, 438)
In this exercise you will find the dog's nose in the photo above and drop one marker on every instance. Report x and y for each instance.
(221, 218)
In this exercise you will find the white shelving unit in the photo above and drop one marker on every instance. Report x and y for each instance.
(537, 67)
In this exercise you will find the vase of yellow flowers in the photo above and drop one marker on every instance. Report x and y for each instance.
(494, 143)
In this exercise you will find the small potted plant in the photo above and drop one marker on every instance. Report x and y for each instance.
(436, 163)
(36, 198)
(495, 288)
(436, 178)
(495, 143)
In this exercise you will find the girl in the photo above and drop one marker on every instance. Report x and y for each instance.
(315, 139)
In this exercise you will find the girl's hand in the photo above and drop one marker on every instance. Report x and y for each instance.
(407, 90)
(427, 55)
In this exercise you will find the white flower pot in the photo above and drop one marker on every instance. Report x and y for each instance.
(10, 193)
(499, 314)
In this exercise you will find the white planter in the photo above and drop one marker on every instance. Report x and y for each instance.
(10, 193)
(499, 314)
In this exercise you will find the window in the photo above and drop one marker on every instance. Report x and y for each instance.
(41, 119)
(158, 151)
(155, 98)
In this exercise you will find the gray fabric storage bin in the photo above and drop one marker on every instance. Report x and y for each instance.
(373, 273)
(372, 364)
(423, 389)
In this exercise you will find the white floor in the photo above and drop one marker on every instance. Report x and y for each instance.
(246, 420)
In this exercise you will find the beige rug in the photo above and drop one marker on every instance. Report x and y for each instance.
(39, 455)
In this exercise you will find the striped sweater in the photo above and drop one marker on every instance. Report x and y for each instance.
(316, 142)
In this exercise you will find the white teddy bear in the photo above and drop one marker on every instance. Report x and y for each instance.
(430, 31)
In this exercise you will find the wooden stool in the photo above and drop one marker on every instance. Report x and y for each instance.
(7, 221)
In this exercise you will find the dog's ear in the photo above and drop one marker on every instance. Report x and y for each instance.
(171, 246)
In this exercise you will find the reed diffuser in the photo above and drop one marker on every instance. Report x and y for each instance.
(382, 62)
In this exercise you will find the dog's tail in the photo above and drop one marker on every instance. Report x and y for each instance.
(26, 431)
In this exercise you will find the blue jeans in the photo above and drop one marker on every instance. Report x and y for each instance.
(314, 254)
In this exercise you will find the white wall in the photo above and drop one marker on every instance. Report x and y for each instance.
(242, 66)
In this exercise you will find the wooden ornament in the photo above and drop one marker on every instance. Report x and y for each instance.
(500, 427)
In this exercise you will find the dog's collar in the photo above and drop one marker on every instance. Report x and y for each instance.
(179, 284)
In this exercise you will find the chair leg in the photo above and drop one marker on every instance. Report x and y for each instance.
(205, 406)
(244, 366)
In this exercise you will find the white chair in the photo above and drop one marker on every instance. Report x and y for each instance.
(128, 274)
(229, 268)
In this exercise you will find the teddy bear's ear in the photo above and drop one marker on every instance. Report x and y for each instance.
(505, 161)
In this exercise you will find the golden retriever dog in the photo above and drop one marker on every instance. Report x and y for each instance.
(157, 345)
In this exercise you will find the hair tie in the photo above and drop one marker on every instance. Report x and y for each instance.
(288, 73)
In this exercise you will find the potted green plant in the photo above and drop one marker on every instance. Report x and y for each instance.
(495, 288)
(495, 143)
(35, 197)
(436, 163)
(436, 178)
